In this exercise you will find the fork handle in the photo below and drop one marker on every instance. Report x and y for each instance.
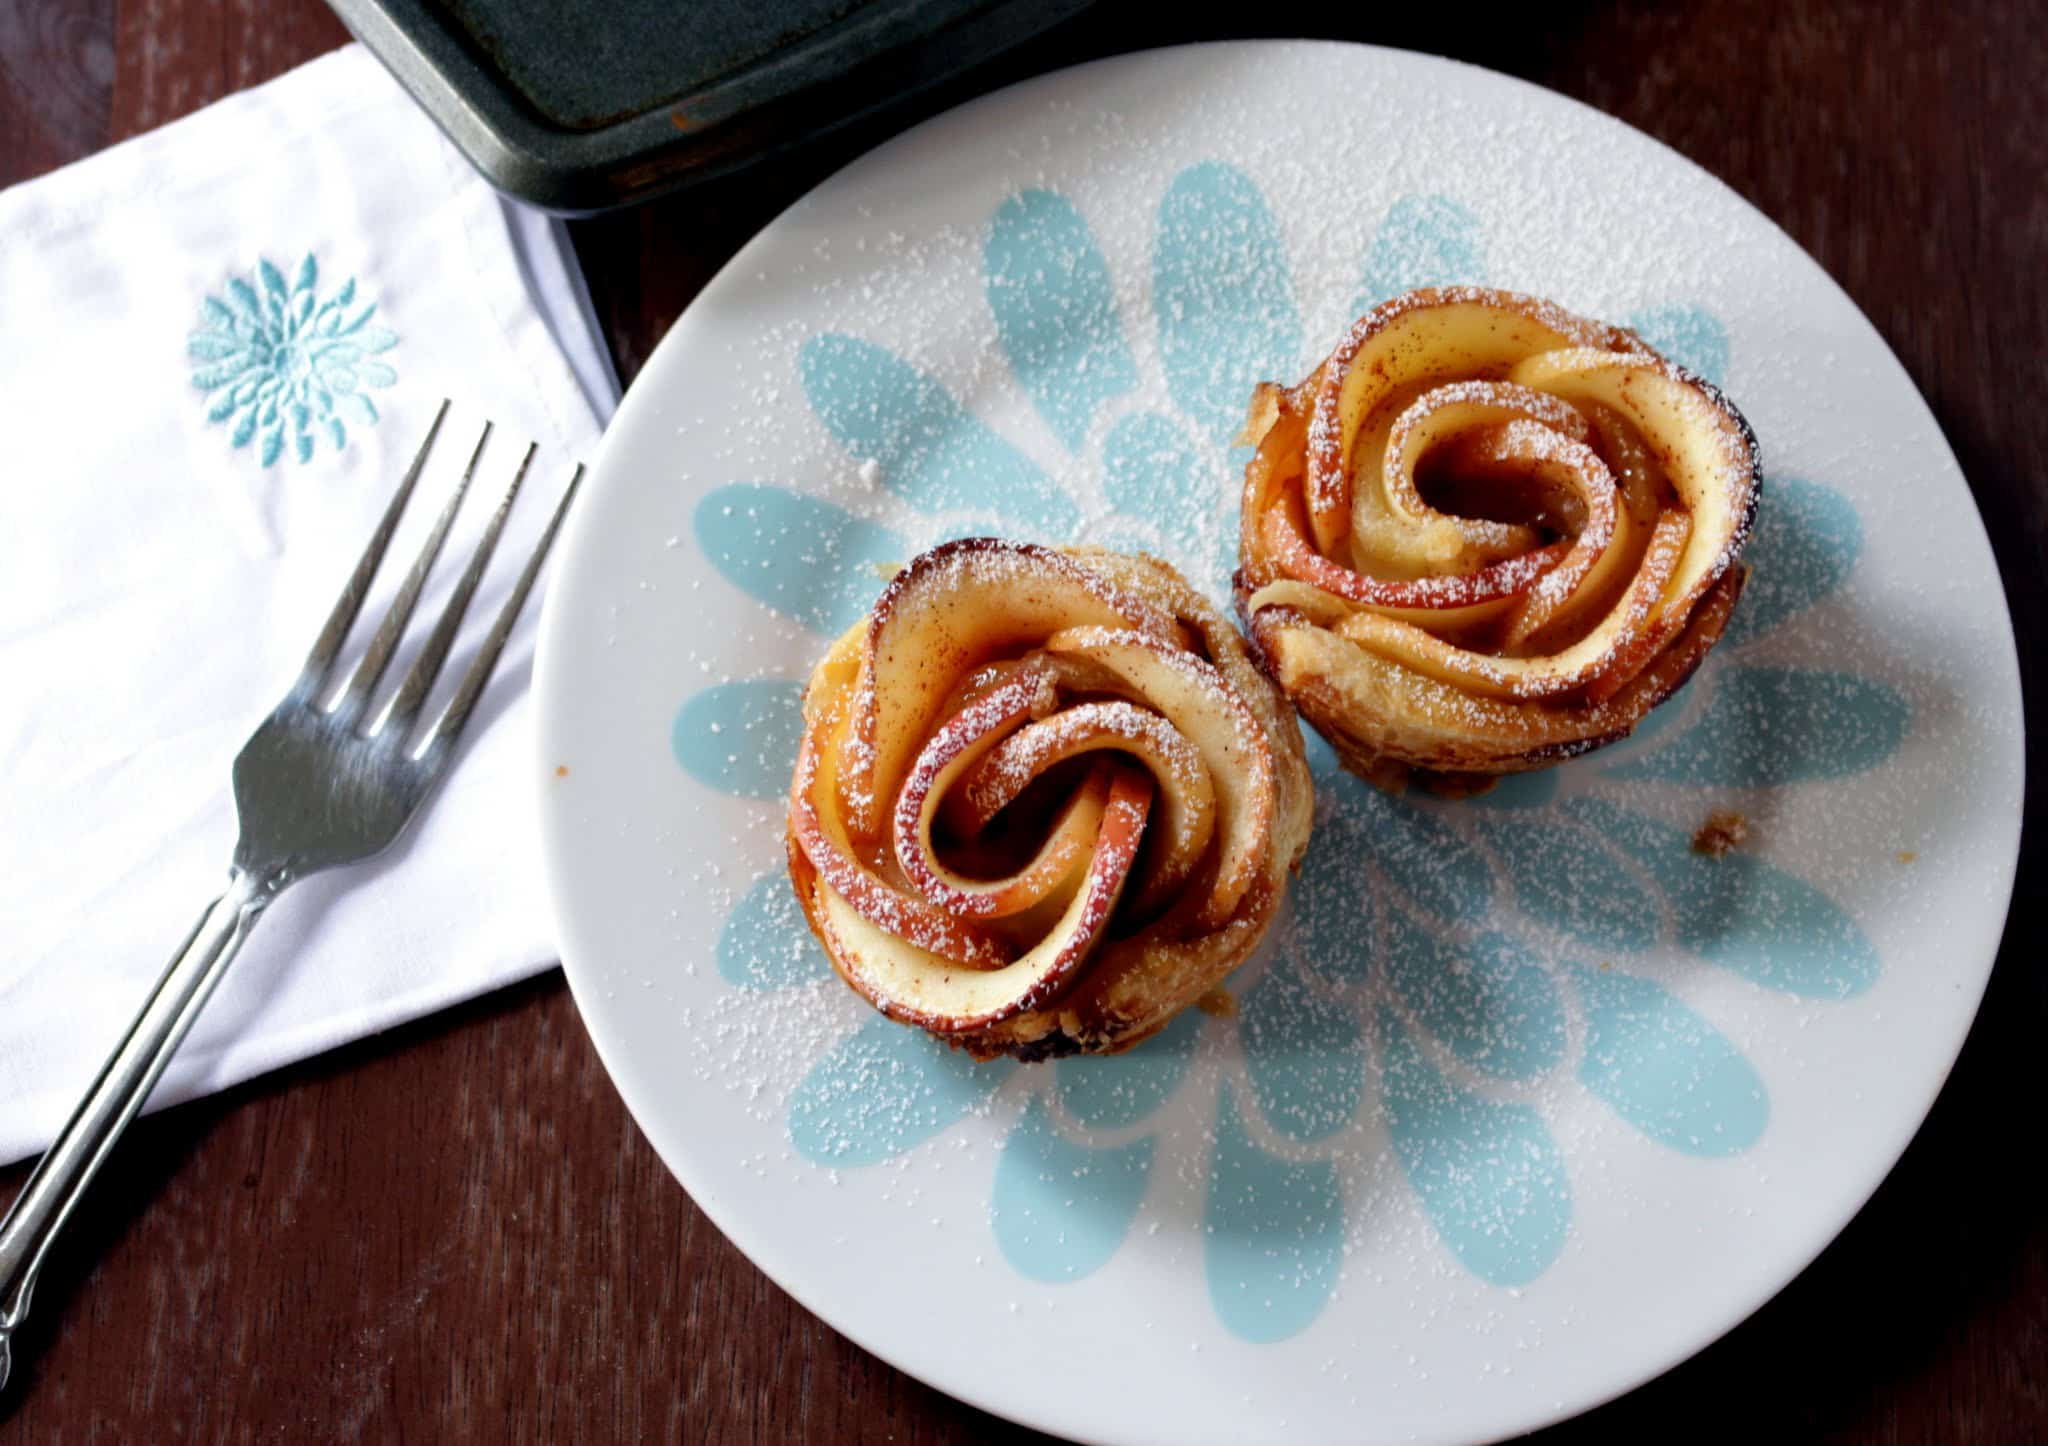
(123, 1085)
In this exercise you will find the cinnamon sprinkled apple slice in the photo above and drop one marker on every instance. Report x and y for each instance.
(951, 610)
(1185, 817)
(820, 832)
(964, 742)
(919, 987)
(1203, 709)
(1430, 336)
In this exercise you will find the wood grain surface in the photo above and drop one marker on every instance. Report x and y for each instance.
(454, 1232)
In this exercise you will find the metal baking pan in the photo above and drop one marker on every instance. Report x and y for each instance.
(580, 108)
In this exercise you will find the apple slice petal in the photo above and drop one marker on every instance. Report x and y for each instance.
(1708, 453)
(919, 987)
(1429, 336)
(1371, 708)
(1067, 841)
(1186, 813)
(953, 609)
(1193, 696)
(1509, 578)
(964, 739)
(820, 833)
(1529, 457)
(1394, 532)
(1607, 648)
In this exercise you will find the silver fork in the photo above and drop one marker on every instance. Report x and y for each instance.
(316, 786)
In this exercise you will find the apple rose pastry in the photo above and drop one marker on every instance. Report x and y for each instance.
(1486, 535)
(1044, 799)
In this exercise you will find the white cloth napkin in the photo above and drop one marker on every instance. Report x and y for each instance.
(169, 546)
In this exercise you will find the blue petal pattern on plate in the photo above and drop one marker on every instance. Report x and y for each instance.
(1806, 541)
(1109, 1092)
(1489, 1174)
(1739, 911)
(1303, 1052)
(933, 453)
(1488, 999)
(807, 559)
(1764, 726)
(765, 943)
(1048, 288)
(1275, 1233)
(1534, 790)
(1059, 1210)
(741, 737)
(1408, 922)
(1420, 854)
(1572, 880)
(1690, 336)
(1424, 241)
(884, 1090)
(1151, 468)
(1220, 286)
(1335, 904)
(1665, 1069)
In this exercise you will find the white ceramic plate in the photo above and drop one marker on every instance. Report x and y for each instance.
(1525, 1101)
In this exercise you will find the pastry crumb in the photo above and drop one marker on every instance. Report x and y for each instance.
(887, 571)
(561, 770)
(1219, 1003)
(1725, 829)
(1907, 856)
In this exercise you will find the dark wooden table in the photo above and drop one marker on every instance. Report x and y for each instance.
(454, 1232)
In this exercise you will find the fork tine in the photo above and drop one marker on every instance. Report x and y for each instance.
(435, 746)
(384, 642)
(419, 679)
(313, 677)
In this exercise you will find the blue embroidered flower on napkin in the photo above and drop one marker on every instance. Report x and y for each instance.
(277, 360)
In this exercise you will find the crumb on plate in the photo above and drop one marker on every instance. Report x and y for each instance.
(1725, 829)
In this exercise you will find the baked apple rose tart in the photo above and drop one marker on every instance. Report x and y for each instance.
(1487, 535)
(1044, 799)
